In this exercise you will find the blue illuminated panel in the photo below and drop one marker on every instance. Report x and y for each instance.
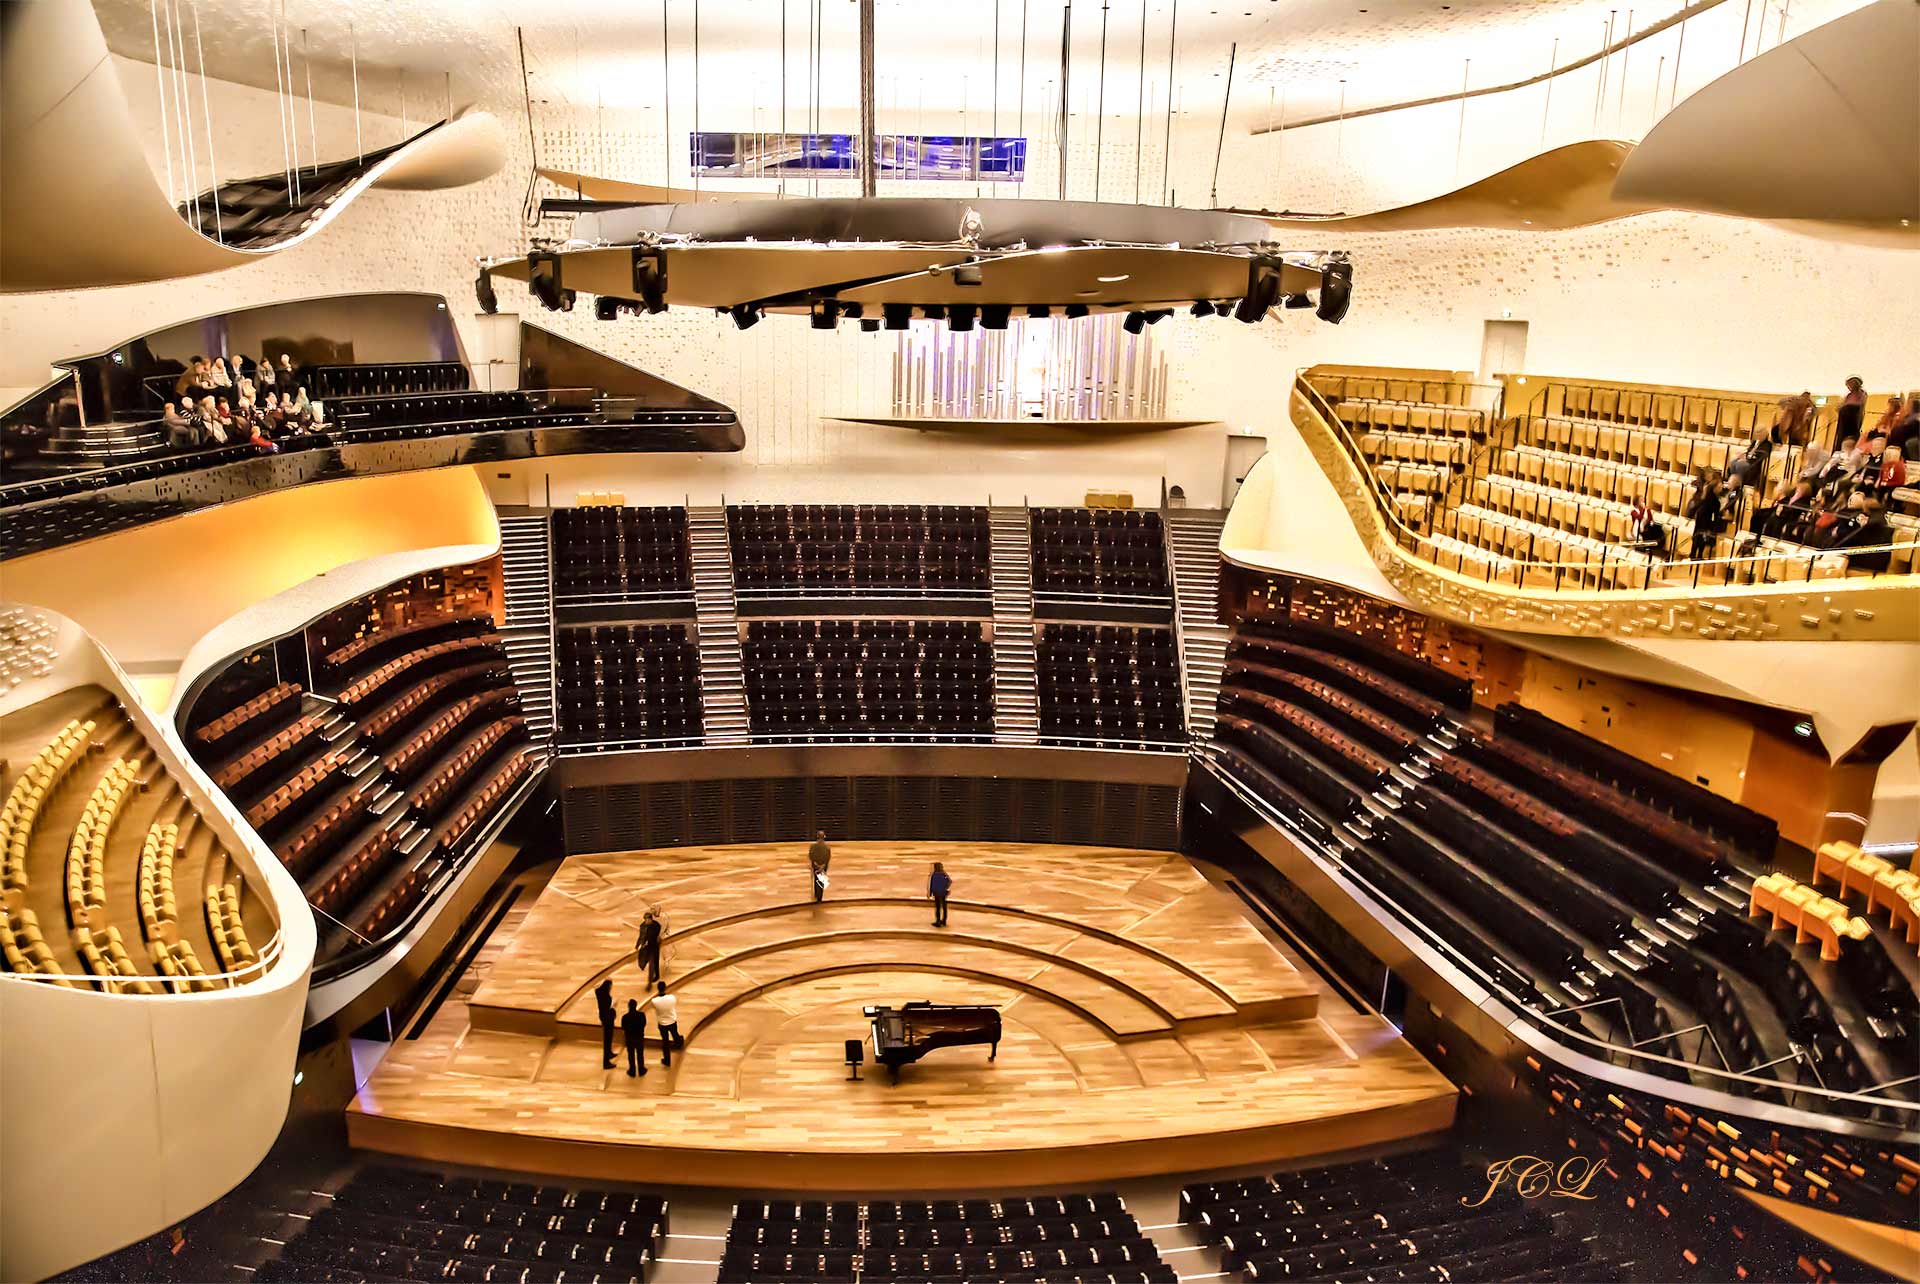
(927, 156)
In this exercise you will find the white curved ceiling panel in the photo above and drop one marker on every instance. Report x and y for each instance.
(79, 203)
(1824, 127)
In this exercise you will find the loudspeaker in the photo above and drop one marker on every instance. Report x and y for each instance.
(543, 278)
(1336, 291)
(856, 1053)
(650, 277)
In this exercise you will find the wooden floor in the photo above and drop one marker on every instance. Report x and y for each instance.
(1149, 1027)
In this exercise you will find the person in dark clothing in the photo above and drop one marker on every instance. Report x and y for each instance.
(634, 1027)
(646, 946)
(819, 856)
(1869, 530)
(939, 883)
(1852, 410)
(1704, 512)
(603, 998)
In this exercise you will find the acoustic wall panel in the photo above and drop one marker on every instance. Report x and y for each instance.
(623, 817)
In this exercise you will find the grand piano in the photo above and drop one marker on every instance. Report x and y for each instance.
(904, 1035)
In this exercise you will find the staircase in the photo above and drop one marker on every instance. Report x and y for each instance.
(528, 632)
(1193, 551)
(1016, 690)
(723, 692)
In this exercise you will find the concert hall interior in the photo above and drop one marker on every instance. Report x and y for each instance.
(719, 641)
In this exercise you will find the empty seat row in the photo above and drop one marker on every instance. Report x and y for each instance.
(1108, 684)
(217, 729)
(615, 551)
(1092, 553)
(627, 684)
(383, 638)
(383, 379)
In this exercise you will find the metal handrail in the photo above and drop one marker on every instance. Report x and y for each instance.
(1502, 568)
(264, 960)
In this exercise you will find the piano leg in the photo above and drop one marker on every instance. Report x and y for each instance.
(893, 1073)
(993, 1051)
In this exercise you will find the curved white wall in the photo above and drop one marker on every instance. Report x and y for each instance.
(121, 1114)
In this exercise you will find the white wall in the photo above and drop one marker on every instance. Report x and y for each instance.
(126, 1113)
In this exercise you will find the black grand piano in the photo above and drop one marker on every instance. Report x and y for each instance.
(904, 1035)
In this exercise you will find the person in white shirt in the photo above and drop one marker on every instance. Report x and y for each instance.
(666, 1016)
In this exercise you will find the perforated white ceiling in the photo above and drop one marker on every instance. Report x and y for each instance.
(934, 56)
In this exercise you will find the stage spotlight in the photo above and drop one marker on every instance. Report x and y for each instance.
(852, 311)
(826, 314)
(744, 315)
(899, 315)
(1336, 291)
(934, 312)
(1074, 311)
(567, 299)
(1135, 322)
(650, 277)
(1299, 301)
(870, 325)
(994, 316)
(483, 291)
(1202, 308)
(960, 316)
(1038, 312)
(1263, 290)
(543, 279)
(1158, 315)
(605, 309)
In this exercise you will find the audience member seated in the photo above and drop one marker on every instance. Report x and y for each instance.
(810, 680)
(913, 550)
(1087, 554)
(601, 551)
(1109, 685)
(627, 685)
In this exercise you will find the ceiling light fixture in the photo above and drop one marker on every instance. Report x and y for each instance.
(1202, 308)
(960, 316)
(1135, 322)
(994, 316)
(1113, 280)
(826, 314)
(899, 315)
(744, 315)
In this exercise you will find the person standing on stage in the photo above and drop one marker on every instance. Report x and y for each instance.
(819, 856)
(603, 997)
(666, 1019)
(634, 1026)
(646, 946)
(939, 883)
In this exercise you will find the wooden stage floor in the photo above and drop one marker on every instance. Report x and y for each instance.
(1149, 1027)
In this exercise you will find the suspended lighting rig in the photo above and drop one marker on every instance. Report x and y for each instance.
(884, 261)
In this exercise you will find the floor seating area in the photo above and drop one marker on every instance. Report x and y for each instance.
(1050, 1239)
(1113, 685)
(1655, 1147)
(393, 1223)
(1401, 1217)
(605, 552)
(628, 685)
(101, 847)
(823, 680)
(1511, 847)
(913, 550)
(1091, 554)
(367, 801)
